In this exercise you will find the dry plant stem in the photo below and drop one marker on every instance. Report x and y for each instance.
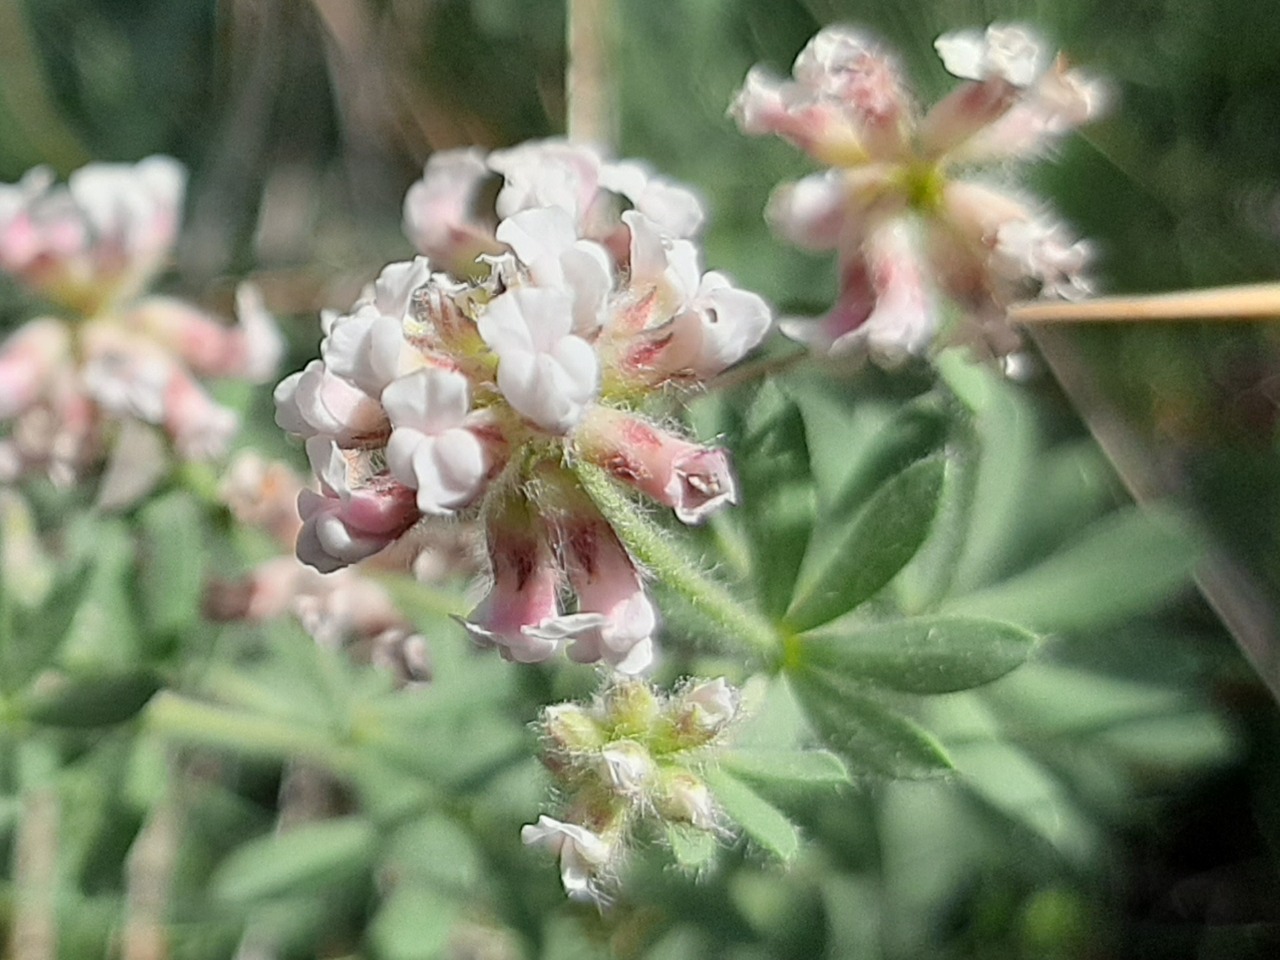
(34, 931)
(590, 94)
(1260, 301)
(149, 876)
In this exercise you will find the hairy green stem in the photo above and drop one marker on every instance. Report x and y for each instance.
(653, 548)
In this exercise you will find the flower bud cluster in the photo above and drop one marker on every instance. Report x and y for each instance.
(628, 760)
(906, 232)
(113, 354)
(469, 392)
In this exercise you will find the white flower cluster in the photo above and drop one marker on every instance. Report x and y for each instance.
(904, 230)
(113, 355)
(440, 393)
(627, 760)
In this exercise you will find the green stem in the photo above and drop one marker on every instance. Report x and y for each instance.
(652, 547)
(180, 718)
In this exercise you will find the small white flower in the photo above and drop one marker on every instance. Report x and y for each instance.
(584, 856)
(314, 402)
(545, 372)
(429, 449)
(1007, 52)
(713, 704)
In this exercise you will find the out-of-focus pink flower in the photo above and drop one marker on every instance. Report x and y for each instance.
(90, 248)
(443, 218)
(904, 231)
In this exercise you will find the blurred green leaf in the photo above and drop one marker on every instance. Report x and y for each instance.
(413, 923)
(171, 562)
(759, 819)
(936, 654)
(94, 700)
(1121, 567)
(692, 848)
(871, 549)
(872, 737)
(303, 859)
(435, 851)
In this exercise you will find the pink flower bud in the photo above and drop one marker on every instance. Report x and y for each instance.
(346, 522)
(692, 479)
(439, 210)
(524, 594)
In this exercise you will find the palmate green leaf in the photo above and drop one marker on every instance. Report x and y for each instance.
(915, 431)
(924, 655)
(171, 562)
(817, 767)
(304, 859)
(881, 539)
(1121, 567)
(870, 735)
(413, 923)
(760, 820)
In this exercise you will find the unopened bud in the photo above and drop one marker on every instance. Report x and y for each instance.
(628, 767)
(686, 798)
(631, 708)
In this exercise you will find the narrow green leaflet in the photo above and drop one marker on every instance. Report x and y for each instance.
(922, 655)
(883, 536)
(303, 859)
(1121, 567)
(820, 767)
(776, 482)
(872, 737)
(760, 820)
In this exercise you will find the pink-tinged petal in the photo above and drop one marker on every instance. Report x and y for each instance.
(607, 583)
(675, 209)
(547, 173)
(524, 594)
(430, 400)
(691, 479)
(391, 295)
(439, 210)
(29, 358)
(885, 306)
(1062, 100)
(810, 213)
(201, 429)
(314, 402)
(346, 522)
(1008, 52)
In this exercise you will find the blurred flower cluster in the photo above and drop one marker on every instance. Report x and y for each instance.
(347, 609)
(107, 355)
(907, 232)
(474, 390)
(629, 758)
